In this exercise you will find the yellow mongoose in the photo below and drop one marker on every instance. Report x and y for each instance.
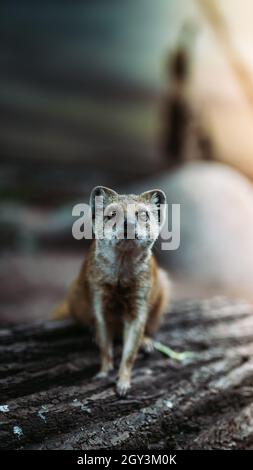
(120, 288)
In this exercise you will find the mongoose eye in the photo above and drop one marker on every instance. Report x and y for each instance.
(111, 214)
(143, 215)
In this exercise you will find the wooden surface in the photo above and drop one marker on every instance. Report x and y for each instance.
(50, 401)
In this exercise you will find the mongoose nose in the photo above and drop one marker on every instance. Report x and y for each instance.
(129, 229)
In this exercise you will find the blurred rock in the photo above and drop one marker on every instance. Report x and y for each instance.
(216, 249)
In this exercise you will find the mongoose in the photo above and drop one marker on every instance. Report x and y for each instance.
(120, 289)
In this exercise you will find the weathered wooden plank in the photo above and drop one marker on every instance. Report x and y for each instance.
(49, 400)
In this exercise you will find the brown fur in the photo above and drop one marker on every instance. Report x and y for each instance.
(78, 301)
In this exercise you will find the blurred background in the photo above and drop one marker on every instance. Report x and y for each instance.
(131, 95)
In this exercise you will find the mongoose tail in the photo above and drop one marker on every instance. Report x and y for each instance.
(61, 312)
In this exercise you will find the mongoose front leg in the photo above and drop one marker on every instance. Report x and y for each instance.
(132, 338)
(103, 338)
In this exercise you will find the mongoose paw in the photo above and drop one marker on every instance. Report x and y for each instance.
(122, 387)
(103, 374)
(147, 345)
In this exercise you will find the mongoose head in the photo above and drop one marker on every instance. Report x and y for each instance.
(127, 220)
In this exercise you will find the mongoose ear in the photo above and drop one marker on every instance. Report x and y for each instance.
(103, 194)
(156, 197)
